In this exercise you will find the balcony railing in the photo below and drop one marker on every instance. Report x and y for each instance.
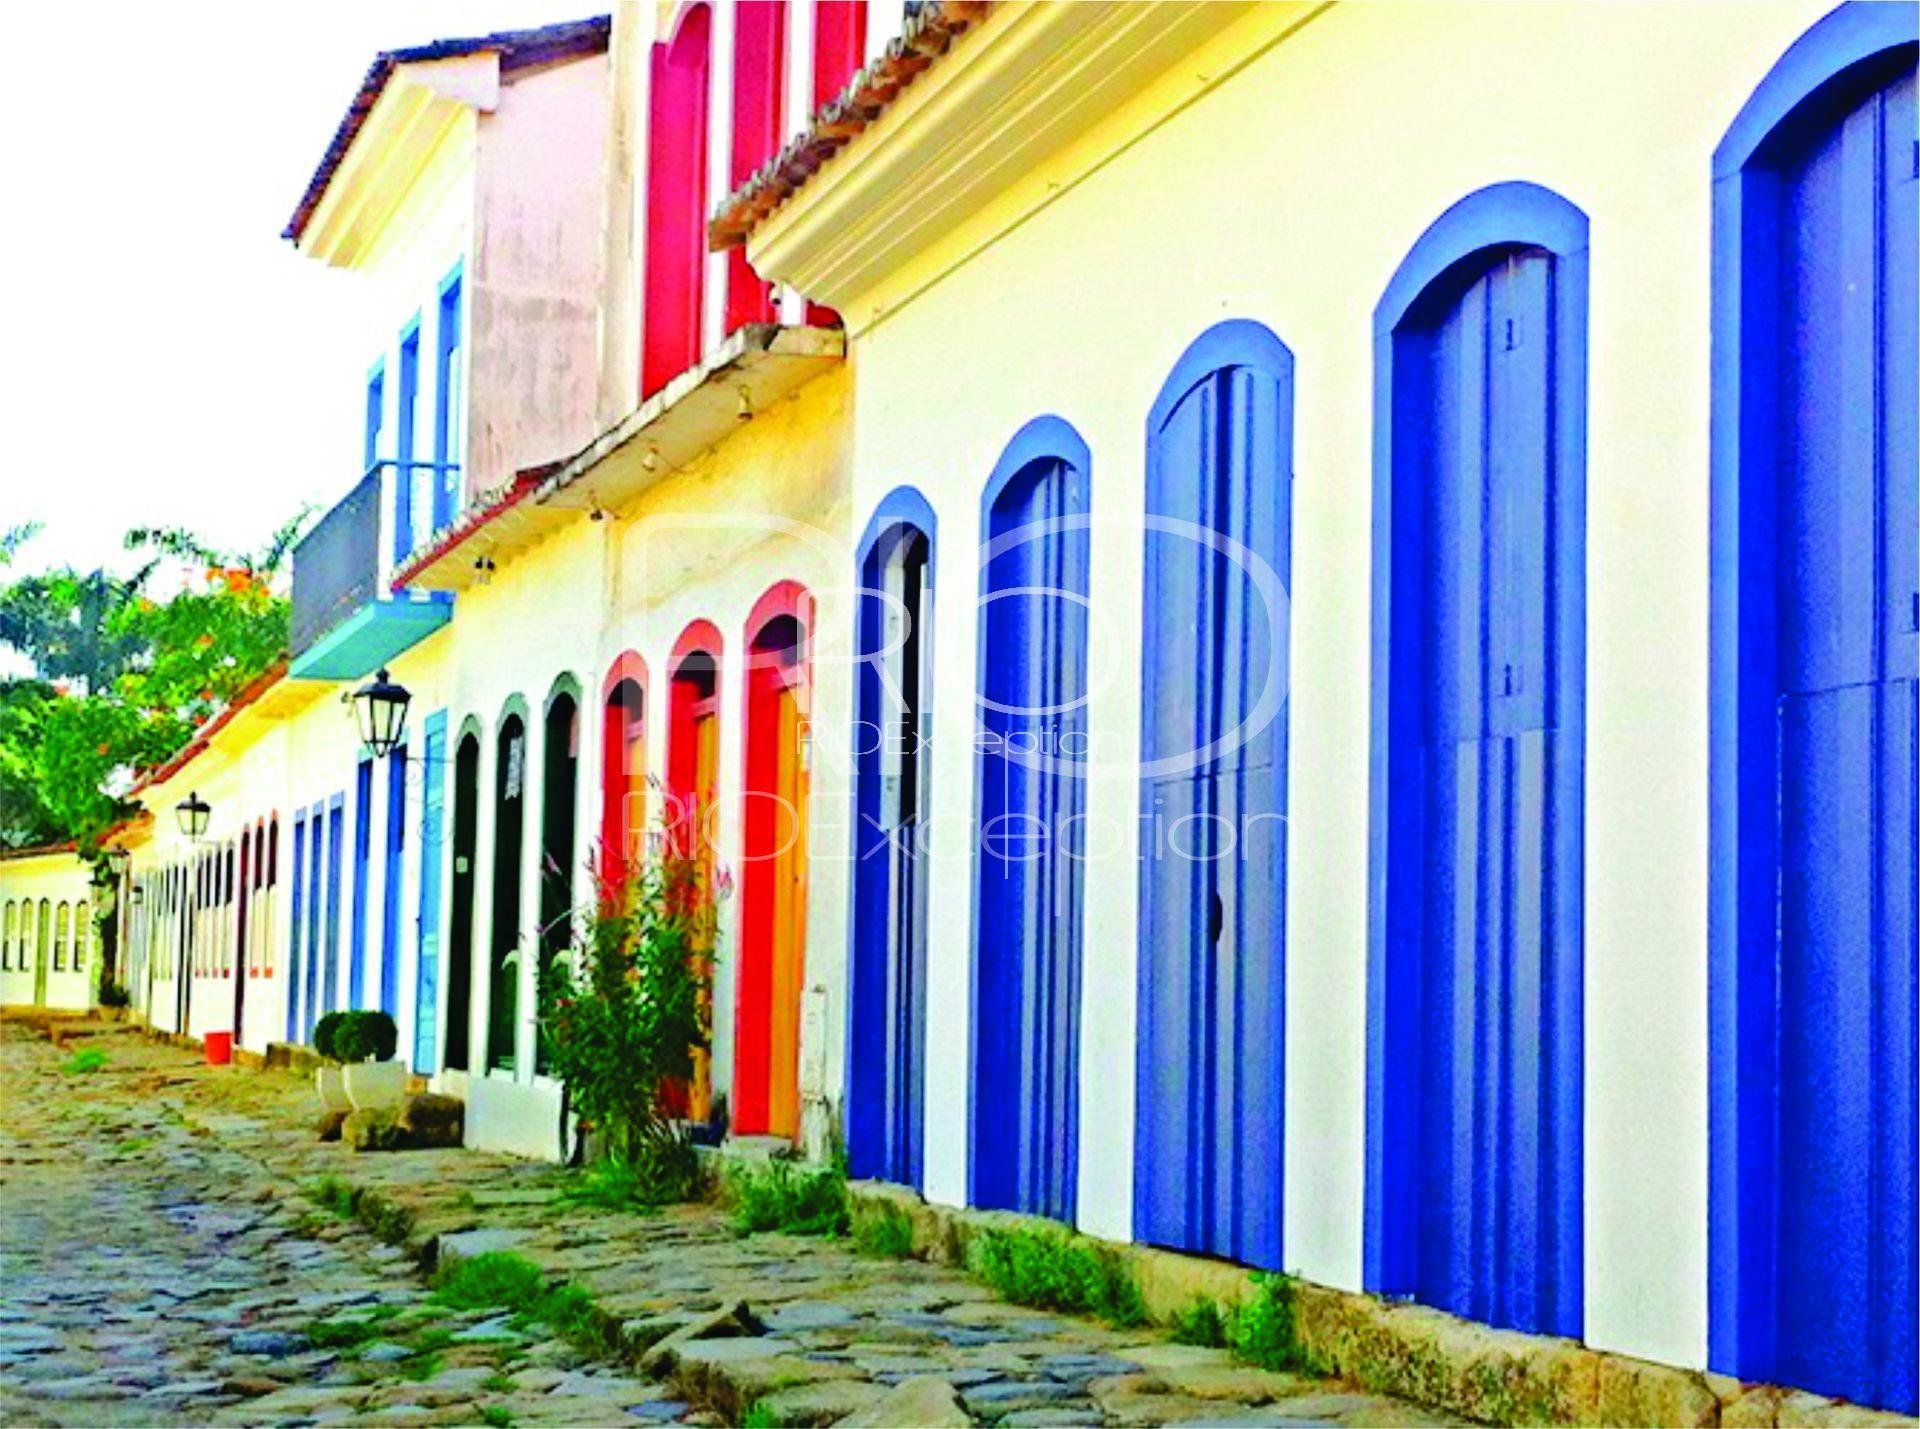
(340, 570)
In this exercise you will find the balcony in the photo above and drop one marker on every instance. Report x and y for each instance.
(347, 622)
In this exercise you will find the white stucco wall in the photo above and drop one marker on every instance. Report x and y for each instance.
(1289, 194)
(31, 976)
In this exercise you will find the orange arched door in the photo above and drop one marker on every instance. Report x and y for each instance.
(693, 768)
(773, 867)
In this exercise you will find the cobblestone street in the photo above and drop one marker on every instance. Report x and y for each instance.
(166, 1260)
(153, 1276)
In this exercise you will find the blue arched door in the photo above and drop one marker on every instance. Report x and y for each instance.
(1032, 741)
(893, 684)
(1816, 1213)
(1209, 1099)
(1476, 1067)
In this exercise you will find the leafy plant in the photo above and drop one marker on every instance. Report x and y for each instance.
(87, 1059)
(1266, 1329)
(882, 1229)
(365, 1037)
(1054, 1271)
(760, 1415)
(624, 1011)
(114, 994)
(779, 1195)
(324, 1032)
(1202, 1323)
(495, 1416)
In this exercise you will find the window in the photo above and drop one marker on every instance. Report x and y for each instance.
(8, 923)
(82, 935)
(376, 412)
(62, 936)
(676, 203)
(407, 481)
(759, 48)
(450, 416)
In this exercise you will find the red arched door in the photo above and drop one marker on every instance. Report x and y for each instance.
(693, 768)
(623, 770)
(773, 867)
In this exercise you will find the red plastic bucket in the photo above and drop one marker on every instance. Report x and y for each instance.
(219, 1048)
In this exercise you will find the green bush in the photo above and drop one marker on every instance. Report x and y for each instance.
(1265, 1330)
(323, 1034)
(364, 1037)
(781, 1196)
(623, 1012)
(1202, 1323)
(666, 1169)
(114, 994)
(1053, 1271)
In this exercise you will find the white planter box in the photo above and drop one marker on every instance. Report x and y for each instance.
(332, 1086)
(376, 1086)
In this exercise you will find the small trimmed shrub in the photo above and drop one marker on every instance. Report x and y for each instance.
(780, 1196)
(323, 1034)
(365, 1037)
(883, 1230)
(1052, 1271)
(1202, 1323)
(87, 1059)
(1265, 1330)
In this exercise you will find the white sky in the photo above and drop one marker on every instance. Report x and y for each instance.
(171, 359)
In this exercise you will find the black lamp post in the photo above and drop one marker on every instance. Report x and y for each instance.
(193, 813)
(117, 860)
(380, 710)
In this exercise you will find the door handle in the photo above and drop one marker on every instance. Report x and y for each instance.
(1216, 918)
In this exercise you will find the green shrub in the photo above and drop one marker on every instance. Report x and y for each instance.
(623, 1012)
(365, 1037)
(781, 1196)
(87, 1059)
(495, 1416)
(760, 1415)
(323, 1034)
(1202, 1323)
(882, 1229)
(114, 994)
(1265, 1329)
(664, 1173)
(1053, 1271)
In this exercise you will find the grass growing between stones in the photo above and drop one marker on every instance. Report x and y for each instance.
(389, 1222)
(882, 1230)
(1202, 1323)
(501, 1280)
(87, 1059)
(1050, 1271)
(1265, 1331)
(617, 1186)
(780, 1196)
(759, 1416)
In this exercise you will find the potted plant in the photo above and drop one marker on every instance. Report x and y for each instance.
(329, 1080)
(365, 1044)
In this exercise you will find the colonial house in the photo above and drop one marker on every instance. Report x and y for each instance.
(1297, 626)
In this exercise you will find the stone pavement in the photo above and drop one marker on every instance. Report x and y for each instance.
(766, 1328)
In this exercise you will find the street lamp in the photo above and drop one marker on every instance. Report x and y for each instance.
(380, 710)
(193, 813)
(117, 860)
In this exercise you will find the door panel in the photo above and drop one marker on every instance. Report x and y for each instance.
(1210, 1093)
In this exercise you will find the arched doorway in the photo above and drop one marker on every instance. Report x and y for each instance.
(559, 800)
(893, 685)
(466, 850)
(509, 834)
(1814, 1243)
(1032, 731)
(771, 949)
(623, 769)
(1209, 1094)
(693, 772)
(1479, 590)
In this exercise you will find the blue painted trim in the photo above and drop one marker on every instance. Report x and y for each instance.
(869, 1073)
(376, 411)
(1044, 438)
(395, 864)
(1234, 343)
(433, 838)
(296, 964)
(450, 319)
(336, 835)
(902, 506)
(1453, 252)
(362, 875)
(406, 439)
(1841, 55)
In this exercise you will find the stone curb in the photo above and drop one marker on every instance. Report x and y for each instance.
(1410, 1351)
